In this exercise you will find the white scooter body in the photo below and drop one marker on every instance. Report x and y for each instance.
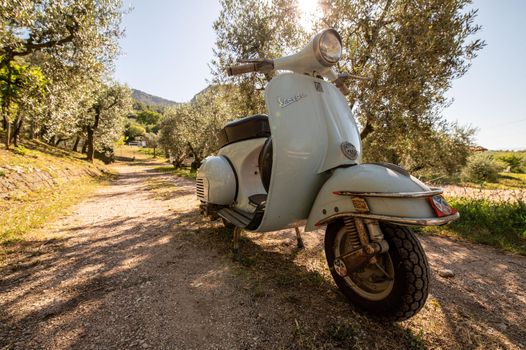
(309, 120)
(307, 135)
(316, 172)
(307, 154)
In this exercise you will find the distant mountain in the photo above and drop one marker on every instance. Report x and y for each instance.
(151, 100)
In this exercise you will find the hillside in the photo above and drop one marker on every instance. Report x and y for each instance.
(151, 100)
(39, 182)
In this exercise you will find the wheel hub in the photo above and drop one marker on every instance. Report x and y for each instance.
(339, 267)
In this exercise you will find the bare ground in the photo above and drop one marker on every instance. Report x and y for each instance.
(481, 193)
(135, 267)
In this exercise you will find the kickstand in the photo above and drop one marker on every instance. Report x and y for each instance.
(235, 242)
(298, 238)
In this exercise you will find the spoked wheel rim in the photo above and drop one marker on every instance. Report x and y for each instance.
(372, 282)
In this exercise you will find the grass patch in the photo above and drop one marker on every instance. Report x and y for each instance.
(34, 154)
(342, 335)
(149, 151)
(505, 181)
(499, 224)
(23, 213)
(512, 180)
(183, 172)
(139, 153)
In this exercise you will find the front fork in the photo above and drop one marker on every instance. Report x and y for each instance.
(367, 242)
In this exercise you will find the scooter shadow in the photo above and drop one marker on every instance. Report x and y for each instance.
(291, 293)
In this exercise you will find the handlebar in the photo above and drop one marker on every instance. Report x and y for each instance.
(241, 69)
(248, 66)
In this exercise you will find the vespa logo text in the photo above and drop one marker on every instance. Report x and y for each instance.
(284, 102)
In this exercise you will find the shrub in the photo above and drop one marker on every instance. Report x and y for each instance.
(482, 167)
(514, 162)
(21, 150)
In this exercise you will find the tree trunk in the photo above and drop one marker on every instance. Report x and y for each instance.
(368, 128)
(154, 154)
(91, 146)
(76, 144)
(8, 135)
(16, 132)
(32, 130)
(14, 137)
(195, 163)
(85, 147)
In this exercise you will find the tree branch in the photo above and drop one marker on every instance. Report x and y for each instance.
(368, 128)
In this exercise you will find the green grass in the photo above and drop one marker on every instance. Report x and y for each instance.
(23, 213)
(34, 154)
(506, 181)
(498, 154)
(159, 154)
(499, 224)
(183, 172)
(139, 153)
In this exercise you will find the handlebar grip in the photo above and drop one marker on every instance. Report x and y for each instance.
(241, 69)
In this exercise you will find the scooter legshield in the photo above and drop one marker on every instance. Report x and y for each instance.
(310, 120)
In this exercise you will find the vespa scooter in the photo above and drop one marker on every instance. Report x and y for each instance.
(301, 165)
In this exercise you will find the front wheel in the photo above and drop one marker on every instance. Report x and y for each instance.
(396, 287)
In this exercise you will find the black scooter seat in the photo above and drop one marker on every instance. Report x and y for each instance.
(247, 128)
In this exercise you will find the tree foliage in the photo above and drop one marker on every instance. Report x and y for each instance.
(148, 117)
(191, 129)
(104, 122)
(482, 167)
(253, 29)
(134, 130)
(408, 51)
(55, 58)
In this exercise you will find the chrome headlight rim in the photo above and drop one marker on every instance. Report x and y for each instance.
(320, 57)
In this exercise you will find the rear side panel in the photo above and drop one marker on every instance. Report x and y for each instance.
(309, 120)
(244, 158)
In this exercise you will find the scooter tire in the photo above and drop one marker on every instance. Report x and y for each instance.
(411, 274)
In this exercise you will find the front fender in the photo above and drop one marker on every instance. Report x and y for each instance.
(388, 191)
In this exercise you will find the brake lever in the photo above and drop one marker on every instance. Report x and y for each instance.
(342, 81)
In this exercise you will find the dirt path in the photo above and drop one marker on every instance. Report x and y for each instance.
(135, 267)
(480, 193)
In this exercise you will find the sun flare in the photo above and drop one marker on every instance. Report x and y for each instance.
(308, 10)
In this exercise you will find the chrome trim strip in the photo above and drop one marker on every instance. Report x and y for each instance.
(434, 191)
(397, 219)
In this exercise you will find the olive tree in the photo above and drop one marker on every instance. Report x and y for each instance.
(409, 51)
(104, 121)
(21, 92)
(190, 130)
(152, 141)
(71, 43)
(171, 137)
(253, 29)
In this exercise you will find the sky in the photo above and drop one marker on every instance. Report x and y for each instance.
(168, 46)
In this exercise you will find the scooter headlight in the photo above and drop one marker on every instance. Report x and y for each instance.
(328, 47)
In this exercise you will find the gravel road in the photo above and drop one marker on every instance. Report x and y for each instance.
(135, 267)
